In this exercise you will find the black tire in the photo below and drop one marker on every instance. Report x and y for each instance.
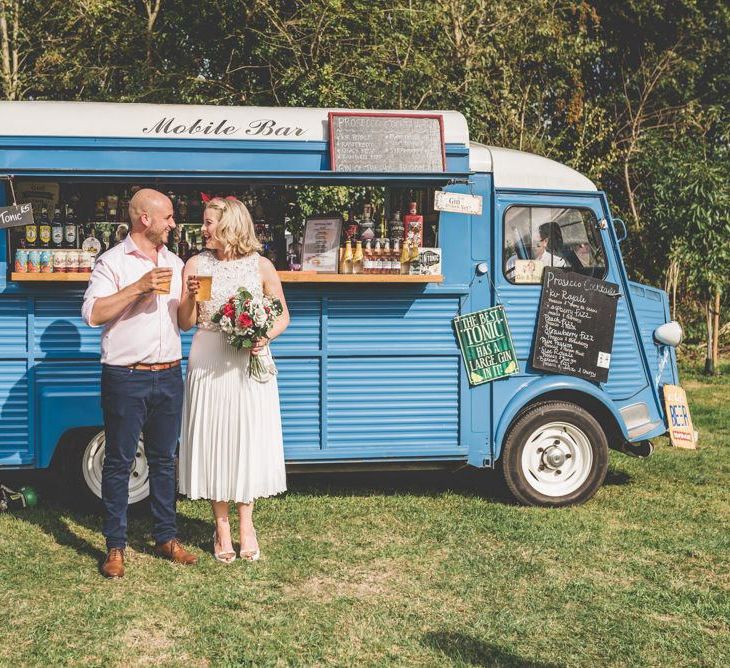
(529, 487)
(68, 463)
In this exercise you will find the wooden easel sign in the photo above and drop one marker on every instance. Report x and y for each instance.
(681, 431)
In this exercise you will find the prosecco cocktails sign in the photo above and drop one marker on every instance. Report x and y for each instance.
(486, 345)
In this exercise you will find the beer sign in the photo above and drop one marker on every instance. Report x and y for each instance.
(486, 345)
(16, 215)
(681, 431)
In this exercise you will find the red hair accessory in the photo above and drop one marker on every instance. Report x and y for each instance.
(206, 197)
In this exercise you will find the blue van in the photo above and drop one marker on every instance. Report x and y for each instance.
(370, 372)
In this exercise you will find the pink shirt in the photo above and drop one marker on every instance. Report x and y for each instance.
(147, 331)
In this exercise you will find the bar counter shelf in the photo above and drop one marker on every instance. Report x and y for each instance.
(285, 276)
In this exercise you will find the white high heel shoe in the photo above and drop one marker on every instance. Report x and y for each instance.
(250, 555)
(224, 557)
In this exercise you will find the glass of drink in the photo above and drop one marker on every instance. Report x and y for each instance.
(165, 280)
(206, 285)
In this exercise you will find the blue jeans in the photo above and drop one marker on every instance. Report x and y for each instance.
(147, 403)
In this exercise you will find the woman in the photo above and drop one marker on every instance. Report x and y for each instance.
(231, 446)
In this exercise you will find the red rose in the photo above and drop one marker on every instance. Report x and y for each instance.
(229, 311)
(244, 320)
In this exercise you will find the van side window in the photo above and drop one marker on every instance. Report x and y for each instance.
(539, 236)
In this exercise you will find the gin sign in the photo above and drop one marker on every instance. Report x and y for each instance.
(486, 345)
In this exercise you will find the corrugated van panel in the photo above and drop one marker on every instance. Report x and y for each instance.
(58, 373)
(13, 325)
(393, 403)
(649, 309)
(521, 306)
(13, 407)
(408, 324)
(626, 374)
(303, 332)
(60, 328)
(299, 394)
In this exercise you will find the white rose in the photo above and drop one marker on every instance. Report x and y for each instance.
(259, 317)
(226, 325)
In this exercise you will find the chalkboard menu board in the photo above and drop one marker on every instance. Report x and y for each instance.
(373, 142)
(575, 325)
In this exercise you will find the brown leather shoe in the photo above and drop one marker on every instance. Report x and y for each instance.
(175, 552)
(113, 566)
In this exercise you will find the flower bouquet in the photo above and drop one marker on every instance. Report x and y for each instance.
(244, 319)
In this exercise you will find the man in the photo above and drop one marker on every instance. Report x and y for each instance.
(134, 292)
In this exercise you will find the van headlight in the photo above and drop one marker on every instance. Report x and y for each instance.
(670, 333)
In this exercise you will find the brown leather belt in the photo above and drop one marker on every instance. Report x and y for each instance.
(156, 366)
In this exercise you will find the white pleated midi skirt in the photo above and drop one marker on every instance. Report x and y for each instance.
(231, 447)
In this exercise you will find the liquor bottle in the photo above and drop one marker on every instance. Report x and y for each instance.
(395, 267)
(112, 204)
(377, 258)
(123, 212)
(182, 208)
(121, 233)
(405, 259)
(91, 243)
(70, 233)
(183, 247)
(106, 241)
(396, 226)
(194, 248)
(100, 209)
(31, 235)
(357, 258)
(57, 229)
(413, 223)
(367, 226)
(386, 262)
(44, 230)
(346, 264)
(368, 260)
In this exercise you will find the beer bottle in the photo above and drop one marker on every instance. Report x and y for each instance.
(357, 258)
(70, 232)
(44, 230)
(367, 267)
(57, 229)
(183, 247)
(31, 235)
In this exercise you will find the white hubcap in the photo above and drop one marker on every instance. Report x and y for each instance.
(557, 459)
(93, 461)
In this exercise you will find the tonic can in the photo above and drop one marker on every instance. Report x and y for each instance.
(86, 260)
(46, 261)
(72, 261)
(59, 261)
(21, 261)
(34, 262)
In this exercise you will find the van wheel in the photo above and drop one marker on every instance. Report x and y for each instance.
(80, 460)
(555, 454)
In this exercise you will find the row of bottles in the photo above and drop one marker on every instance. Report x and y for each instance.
(409, 228)
(378, 256)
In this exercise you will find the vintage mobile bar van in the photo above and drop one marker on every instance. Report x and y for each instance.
(370, 372)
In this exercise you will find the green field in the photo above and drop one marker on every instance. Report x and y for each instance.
(408, 568)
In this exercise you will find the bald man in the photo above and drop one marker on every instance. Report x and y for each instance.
(134, 293)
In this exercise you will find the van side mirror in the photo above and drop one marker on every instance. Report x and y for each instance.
(623, 226)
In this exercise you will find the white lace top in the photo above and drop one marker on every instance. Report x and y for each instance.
(228, 276)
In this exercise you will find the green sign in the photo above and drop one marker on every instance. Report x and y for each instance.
(486, 345)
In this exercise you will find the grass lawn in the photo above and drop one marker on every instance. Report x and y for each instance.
(408, 568)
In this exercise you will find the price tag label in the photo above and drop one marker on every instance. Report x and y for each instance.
(458, 203)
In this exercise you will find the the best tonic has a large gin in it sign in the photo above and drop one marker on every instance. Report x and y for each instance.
(486, 345)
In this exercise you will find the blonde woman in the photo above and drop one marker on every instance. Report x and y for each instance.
(231, 445)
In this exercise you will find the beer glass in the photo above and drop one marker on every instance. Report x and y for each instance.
(206, 285)
(164, 288)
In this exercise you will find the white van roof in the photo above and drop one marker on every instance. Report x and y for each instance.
(517, 169)
(185, 121)
(511, 169)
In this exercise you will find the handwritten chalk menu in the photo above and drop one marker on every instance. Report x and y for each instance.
(575, 325)
(486, 345)
(365, 142)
